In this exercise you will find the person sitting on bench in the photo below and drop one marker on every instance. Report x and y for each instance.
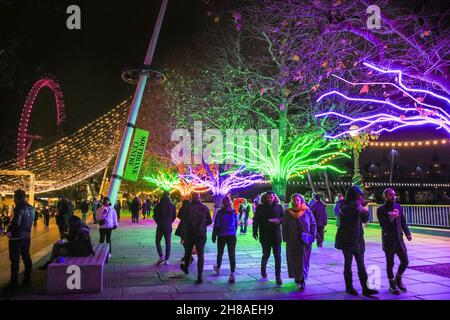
(78, 243)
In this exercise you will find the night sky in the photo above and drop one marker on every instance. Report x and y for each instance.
(88, 62)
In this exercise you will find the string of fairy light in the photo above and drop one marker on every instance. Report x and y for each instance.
(71, 159)
(411, 144)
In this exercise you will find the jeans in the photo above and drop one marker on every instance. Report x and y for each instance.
(244, 224)
(320, 236)
(199, 243)
(230, 242)
(362, 273)
(105, 233)
(167, 237)
(403, 257)
(276, 248)
(17, 249)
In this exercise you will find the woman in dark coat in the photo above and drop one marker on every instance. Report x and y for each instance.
(266, 227)
(299, 231)
(350, 239)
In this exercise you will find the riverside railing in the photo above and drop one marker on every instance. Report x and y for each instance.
(436, 216)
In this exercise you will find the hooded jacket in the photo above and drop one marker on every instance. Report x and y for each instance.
(225, 223)
(108, 214)
(164, 215)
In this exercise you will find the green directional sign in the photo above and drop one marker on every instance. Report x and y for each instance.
(136, 155)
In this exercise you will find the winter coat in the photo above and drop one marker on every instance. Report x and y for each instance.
(225, 223)
(21, 222)
(350, 233)
(319, 209)
(164, 215)
(392, 231)
(196, 221)
(108, 214)
(269, 233)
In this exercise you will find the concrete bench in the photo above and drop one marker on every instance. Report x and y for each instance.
(78, 274)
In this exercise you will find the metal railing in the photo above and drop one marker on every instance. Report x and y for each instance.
(416, 215)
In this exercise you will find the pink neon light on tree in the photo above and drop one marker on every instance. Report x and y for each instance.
(221, 180)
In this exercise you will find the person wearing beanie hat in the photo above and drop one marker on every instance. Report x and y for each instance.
(350, 238)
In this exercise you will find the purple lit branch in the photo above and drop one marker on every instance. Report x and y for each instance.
(404, 116)
(232, 180)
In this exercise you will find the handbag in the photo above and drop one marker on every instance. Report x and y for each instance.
(307, 238)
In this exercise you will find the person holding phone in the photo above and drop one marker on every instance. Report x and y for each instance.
(393, 226)
(350, 239)
(107, 221)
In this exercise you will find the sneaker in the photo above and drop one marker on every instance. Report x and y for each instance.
(263, 275)
(161, 260)
(184, 268)
(351, 290)
(166, 262)
(231, 279)
(216, 270)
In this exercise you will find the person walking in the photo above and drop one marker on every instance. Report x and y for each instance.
(350, 239)
(183, 212)
(393, 225)
(165, 214)
(267, 222)
(299, 231)
(224, 231)
(46, 214)
(62, 216)
(19, 234)
(339, 201)
(146, 208)
(107, 221)
(194, 230)
(244, 215)
(84, 207)
(118, 208)
(135, 208)
(319, 209)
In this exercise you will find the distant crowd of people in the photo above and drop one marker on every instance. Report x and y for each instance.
(299, 225)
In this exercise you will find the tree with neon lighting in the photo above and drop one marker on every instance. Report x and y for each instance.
(221, 179)
(237, 89)
(404, 106)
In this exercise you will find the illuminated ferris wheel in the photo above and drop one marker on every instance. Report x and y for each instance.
(24, 138)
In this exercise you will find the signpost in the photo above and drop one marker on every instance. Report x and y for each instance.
(136, 155)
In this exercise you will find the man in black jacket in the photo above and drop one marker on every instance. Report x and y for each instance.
(194, 231)
(393, 226)
(19, 234)
(164, 215)
(350, 239)
(267, 227)
(319, 209)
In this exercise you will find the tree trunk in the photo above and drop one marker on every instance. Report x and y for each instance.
(217, 203)
(327, 183)
(279, 187)
(357, 178)
(310, 182)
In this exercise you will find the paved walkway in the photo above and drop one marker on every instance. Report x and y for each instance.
(132, 273)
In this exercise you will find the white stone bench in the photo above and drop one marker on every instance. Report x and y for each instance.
(78, 274)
